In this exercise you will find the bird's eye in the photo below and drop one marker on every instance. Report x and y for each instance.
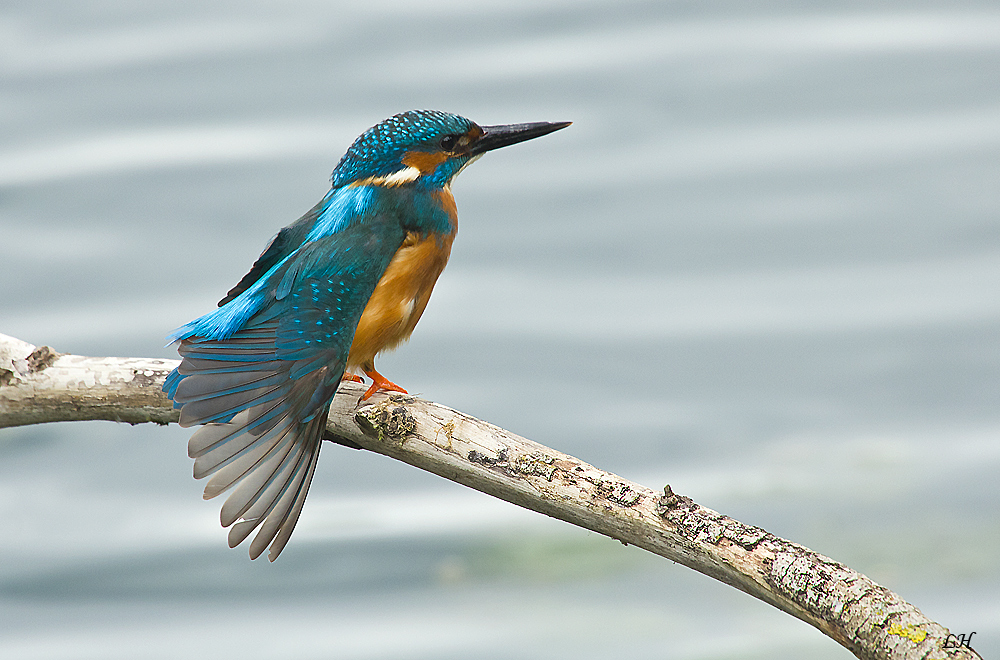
(448, 142)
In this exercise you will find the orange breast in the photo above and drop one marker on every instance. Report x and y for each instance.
(400, 297)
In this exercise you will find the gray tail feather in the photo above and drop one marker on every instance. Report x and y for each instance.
(270, 464)
(261, 432)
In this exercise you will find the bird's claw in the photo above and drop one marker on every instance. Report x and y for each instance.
(379, 384)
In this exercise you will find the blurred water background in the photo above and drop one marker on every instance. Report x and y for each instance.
(763, 266)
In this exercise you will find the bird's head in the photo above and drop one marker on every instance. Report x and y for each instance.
(426, 147)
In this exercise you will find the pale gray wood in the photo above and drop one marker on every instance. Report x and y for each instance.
(39, 385)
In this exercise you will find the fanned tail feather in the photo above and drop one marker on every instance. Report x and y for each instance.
(278, 504)
(261, 430)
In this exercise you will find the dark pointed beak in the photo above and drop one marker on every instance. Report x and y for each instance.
(505, 135)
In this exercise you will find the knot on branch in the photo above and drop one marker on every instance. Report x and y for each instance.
(670, 500)
(42, 358)
(388, 419)
(19, 360)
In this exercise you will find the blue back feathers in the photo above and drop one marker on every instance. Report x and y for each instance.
(340, 207)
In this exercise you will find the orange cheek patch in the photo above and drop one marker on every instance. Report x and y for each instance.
(424, 161)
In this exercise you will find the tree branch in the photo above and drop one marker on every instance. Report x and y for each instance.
(39, 385)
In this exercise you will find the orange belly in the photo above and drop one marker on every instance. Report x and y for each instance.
(400, 297)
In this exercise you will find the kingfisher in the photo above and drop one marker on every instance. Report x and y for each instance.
(346, 281)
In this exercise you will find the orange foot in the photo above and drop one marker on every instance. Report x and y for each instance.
(379, 383)
(354, 378)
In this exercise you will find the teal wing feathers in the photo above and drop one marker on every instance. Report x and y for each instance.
(261, 391)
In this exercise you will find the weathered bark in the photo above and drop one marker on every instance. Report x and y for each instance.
(39, 385)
